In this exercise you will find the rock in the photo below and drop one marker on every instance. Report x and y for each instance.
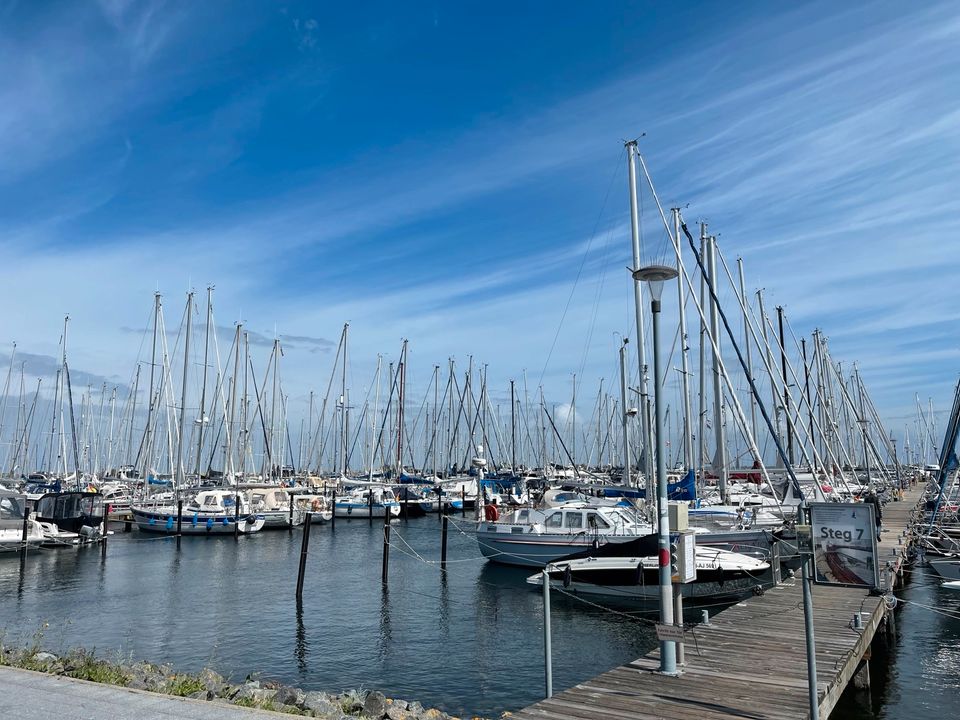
(253, 692)
(284, 708)
(415, 708)
(320, 704)
(211, 681)
(45, 657)
(395, 712)
(289, 696)
(375, 705)
(200, 695)
(244, 691)
(432, 714)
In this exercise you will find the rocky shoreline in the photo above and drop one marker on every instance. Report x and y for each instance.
(211, 686)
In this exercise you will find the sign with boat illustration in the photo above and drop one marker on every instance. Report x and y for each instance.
(844, 544)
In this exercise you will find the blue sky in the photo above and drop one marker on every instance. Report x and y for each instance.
(444, 172)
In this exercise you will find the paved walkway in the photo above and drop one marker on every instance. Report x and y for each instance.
(26, 695)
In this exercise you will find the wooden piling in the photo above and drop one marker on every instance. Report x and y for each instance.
(443, 544)
(385, 574)
(26, 529)
(106, 524)
(304, 548)
(179, 521)
(333, 507)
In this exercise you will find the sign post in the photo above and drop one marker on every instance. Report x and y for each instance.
(844, 544)
(683, 569)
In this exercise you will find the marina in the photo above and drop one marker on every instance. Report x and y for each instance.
(420, 363)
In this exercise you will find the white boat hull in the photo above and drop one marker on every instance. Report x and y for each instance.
(946, 567)
(355, 511)
(164, 520)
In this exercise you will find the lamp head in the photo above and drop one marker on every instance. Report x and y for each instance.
(655, 276)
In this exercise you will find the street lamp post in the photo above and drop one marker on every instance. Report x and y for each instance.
(655, 276)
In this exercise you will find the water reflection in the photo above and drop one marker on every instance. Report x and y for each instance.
(300, 643)
(231, 605)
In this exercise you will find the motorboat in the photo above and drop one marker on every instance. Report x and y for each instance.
(71, 518)
(318, 505)
(12, 508)
(367, 501)
(532, 538)
(631, 570)
(947, 566)
(210, 512)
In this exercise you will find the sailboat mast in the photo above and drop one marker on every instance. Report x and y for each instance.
(148, 441)
(639, 312)
(133, 413)
(180, 469)
(720, 452)
(626, 414)
(343, 405)
(203, 387)
(73, 421)
(684, 352)
(228, 465)
(402, 372)
(786, 395)
(513, 430)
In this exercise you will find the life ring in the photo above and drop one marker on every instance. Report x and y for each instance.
(491, 513)
(315, 505)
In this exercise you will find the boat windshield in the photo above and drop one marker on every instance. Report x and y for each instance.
(11, 513)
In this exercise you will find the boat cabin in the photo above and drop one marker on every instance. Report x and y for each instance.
(267, 499)
(71, 511)
(571, 519)
(216, 502)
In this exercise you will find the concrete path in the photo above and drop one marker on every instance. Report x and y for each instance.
(27, 695)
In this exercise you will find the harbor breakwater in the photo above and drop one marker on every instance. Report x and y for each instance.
(252, 692)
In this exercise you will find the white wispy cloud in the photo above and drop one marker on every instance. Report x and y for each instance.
(823, 155)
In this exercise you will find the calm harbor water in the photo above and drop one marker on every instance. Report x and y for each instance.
(470, 644)
(918, 674)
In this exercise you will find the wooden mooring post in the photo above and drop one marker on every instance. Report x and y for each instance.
(304, 548)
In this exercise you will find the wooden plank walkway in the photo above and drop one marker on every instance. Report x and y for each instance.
(751, 661)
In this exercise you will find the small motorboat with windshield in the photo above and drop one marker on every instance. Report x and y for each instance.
(13, 506)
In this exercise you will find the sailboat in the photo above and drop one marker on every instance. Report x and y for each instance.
(210, 512)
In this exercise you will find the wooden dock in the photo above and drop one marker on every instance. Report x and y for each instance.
(750, 662)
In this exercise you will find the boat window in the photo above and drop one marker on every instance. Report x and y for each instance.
(595, 520)
(10, 509)
(554, 521)
(573, 520)
(523, 516)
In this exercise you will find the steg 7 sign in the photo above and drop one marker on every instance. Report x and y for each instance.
(844, 544)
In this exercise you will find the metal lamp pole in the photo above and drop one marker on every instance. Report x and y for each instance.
(654, 276)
